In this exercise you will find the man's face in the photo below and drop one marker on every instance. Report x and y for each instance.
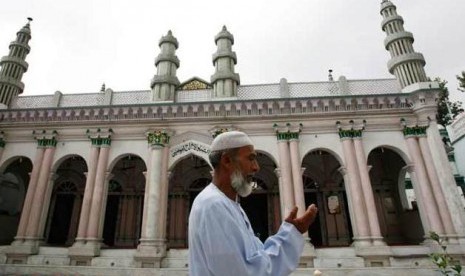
(246, 166)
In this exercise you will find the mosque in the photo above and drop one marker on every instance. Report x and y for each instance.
(102, 183)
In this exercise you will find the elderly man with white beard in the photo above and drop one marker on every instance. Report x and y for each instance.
(221, 238)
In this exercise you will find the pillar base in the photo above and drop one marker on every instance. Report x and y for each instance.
(83, 250)
(308, 255)
(361, 242)
(150, 253)
(376, 255)
(378, 241)
(21, 248)
(453, 239)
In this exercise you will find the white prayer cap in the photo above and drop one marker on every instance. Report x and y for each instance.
(230, 140)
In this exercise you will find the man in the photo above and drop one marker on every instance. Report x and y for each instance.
(221, 239)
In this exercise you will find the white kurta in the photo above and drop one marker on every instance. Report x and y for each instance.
(222, 242)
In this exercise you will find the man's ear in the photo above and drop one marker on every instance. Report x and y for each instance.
(226, 160)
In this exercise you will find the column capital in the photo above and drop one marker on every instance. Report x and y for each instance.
(342, 170)
(158, 137)
(99, 137)
(218, 130)
(413, 131)
(53, 176)
(277, 171)
(352, 132)
(45, 138)
(410, 167)
(287, 132)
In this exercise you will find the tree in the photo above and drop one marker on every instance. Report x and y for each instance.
(461, 80)
(447, 264)
(445, 106)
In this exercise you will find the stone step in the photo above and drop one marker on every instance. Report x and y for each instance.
(336, 252)
(115, 271)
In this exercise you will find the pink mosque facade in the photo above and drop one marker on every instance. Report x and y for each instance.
(102, 183)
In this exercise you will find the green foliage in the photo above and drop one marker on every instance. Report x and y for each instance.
(461, 80)
(446, 264)
(444, 105)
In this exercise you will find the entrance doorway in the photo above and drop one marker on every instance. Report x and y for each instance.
(324, 186)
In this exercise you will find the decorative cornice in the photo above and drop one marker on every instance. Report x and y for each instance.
(264, 108)
(158, 138)
(288, 132)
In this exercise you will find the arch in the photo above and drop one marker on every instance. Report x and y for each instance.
(399, 223)
(66, 200)
(328, 150)
(263, 206)
(120, 157)
(189, 175)
(323, 183)
(125, 202)
(14, 181)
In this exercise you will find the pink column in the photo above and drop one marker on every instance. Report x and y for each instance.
(436, 187)
(144, 207)
(103, 203)
(280, 192)
(358, 202)
(39, 196)
(368, 192)
(74, 216)
(299, 195)
(89, 189)
(344, 172)
(52, 177)
(25, 213)
(152, 190)
(421, 205)
(425, 188)
(446, 179)
(164, 193)
(285, 166)
(98, 195)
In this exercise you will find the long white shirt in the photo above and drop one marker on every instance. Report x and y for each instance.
(222, 242)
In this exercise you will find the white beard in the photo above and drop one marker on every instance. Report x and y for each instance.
(240, 184)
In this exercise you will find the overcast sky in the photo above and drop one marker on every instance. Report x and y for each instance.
(78, 45)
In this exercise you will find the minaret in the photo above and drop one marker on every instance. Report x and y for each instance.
(14, 66)
(405, 63)
(164, 83)
(224, 80)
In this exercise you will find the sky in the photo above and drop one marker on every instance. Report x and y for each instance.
(78, 45)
